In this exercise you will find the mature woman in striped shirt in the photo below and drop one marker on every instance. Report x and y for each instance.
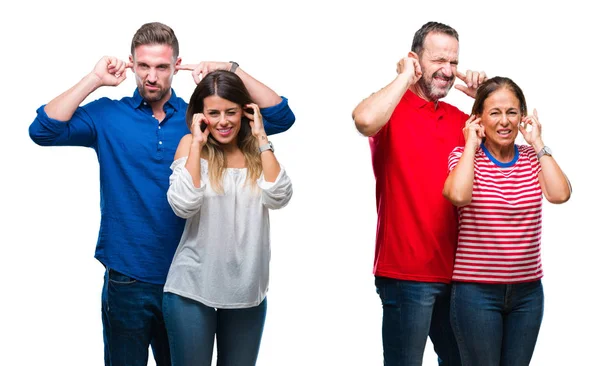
(497, 295)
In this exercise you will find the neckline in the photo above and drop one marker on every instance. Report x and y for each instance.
(496, 161)
(226, 168)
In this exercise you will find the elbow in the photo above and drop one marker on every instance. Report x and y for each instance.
(182, 212)
(364, 124)
(180, 208)
(37, 136)
(286, 121)
(559, 198)
(275, 203)
(457, 199)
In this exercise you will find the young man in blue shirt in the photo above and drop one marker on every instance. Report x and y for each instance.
(135, 139)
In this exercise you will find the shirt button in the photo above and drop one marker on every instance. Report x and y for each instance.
(160, 142)
(145, 103)
(159, 127)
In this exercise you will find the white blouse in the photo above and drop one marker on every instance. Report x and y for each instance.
(223, 257)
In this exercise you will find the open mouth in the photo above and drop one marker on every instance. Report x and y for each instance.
(224, 131)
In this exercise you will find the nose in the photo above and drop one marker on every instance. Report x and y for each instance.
(220, 118)
(152, 76)
(447, 69)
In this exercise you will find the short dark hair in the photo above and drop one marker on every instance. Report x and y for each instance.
(494, 84)
(155, 33)
(430, 27)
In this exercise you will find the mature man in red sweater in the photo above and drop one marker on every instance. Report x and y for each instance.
(411, 133)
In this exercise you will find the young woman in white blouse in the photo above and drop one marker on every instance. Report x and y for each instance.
(225, 179)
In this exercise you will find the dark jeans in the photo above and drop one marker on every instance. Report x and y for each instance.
(411, 312)
(192, 327)
(132, 319)
(497, 324)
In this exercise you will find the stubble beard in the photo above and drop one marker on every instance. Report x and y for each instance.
(433, 92)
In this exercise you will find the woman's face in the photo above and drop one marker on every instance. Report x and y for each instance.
(225, 118)
(501, 117)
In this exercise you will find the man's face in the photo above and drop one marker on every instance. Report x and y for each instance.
(154, 67)
(438, 62)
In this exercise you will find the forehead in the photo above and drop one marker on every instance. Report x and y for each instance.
(440, 45)
(153, 54)
(218, 103)
(502, 98)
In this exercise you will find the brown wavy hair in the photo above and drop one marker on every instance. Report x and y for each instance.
(226, 85)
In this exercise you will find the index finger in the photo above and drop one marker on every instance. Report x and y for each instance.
(255, 107)
(460, 75)
(189, 67)
(470, 119)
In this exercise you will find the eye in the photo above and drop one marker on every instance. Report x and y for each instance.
(213, 113)
(163, 67)
(231, 113)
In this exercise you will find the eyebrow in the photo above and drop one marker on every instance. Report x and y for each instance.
(227, 110)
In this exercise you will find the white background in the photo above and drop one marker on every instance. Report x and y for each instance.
(325, 57)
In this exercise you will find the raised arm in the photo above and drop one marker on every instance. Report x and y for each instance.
(53, 126)
(109, 71)
(375, 111)
(458, 187)
(277, 188)
(278, 117)
(186, 191)
(554, 183)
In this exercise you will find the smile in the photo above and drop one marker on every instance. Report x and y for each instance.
(224, 131)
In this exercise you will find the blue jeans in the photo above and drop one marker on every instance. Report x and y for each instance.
(411, 312)
(192, 327)
(497, 324)
(132, 319)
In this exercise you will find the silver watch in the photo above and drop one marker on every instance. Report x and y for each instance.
(544, 151)
(234, 66)
(265, 147)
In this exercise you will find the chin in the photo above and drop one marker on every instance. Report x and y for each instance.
(223, 140)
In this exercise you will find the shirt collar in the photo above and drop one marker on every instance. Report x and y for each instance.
(418, 102)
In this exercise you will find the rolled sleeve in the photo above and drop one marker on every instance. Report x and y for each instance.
(278, 118)
(277, 194)
(78, 131)
(184, 198)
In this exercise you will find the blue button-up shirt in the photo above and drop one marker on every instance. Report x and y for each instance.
(138, 230)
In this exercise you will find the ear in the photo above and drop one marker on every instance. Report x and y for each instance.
(131, 58)
(411, 54)
(177, 63)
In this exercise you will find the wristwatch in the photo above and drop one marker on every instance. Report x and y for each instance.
(234, 66)
(265, 147)
(544, 151)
